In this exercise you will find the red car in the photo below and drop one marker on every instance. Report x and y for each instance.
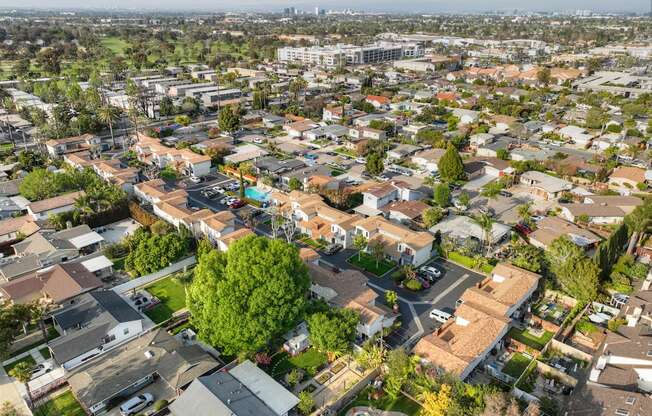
(238, 203)
(523, 229)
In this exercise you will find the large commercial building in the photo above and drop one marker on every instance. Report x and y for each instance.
(340, 54)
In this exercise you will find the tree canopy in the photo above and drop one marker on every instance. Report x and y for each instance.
(334, 330)
(240, 300)
(573, 271)
(451, 167)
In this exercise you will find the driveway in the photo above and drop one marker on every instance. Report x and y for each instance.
(477, 183)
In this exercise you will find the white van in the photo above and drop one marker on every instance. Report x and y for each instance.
(440, 316)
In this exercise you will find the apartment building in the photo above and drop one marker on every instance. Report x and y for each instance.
(185, 161)
(400, 243)
(480, 322)
(110, 170)
(342, 54)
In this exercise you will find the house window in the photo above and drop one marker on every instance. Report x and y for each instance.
(649, 353)
(109, 338)
(622, 412)
(630, 400)
(125, 331)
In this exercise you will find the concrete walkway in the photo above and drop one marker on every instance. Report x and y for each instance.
(147, 279)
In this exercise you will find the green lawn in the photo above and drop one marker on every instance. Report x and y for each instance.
(116, 44)
(309, 361)
(27, 359)
(516, 365)
(45, 352)
(172, 296)
(401, 404)
(367, 262)
(524, 336)
(346, 152)
(119, 264)
(467, 261)
(64, 405)
(311, 243)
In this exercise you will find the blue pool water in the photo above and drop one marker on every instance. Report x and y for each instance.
(256, 194)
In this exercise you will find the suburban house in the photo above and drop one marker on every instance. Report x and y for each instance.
(379, 195)
(58, 147)
(96, 323)
(184, 161)
(154, 358)
(592, 213)
(245, 390)
(405, 211)
(460, 228)
(428, 159)
(41, 210)
(626, 203)
(331, 132)
(402, 151)
(463, 342)
(20, 266)
(13, 228)
(367, 133)
(400, 243)
(58, 285)
(298, 128)
(551, 228)
(627, 177)
(544, 186)
(245, 153)
(379, 102)
(348, 289)
(577, 135)
(466, 116)
(48, 251)
(504, 292)
(333, 113)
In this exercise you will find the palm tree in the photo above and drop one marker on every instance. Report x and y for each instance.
(524, 212)
(108, 115)
(486, 223)
(84, 203)
(639, 222)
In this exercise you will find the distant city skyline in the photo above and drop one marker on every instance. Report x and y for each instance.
(408, 6)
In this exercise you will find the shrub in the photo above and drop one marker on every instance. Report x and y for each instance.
(160, 405)
(614, 324)
(413, 284)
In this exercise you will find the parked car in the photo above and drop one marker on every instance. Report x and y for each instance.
(259, 140)
(219, 189)
(383, 178)
(440, 316)
(360, 160)
(457, 204)
(136, 404)
(227, 200)
(238, 203)
(505, 193)
(432, 273)
(195, 179)
(43, 368)
(332, 249)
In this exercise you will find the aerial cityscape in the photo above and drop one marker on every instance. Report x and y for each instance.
(425, 208)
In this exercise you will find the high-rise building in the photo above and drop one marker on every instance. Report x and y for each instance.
(316, 10)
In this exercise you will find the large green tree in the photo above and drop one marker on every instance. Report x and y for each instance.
(375, 164)
(151, 252)
(240, 300)
(573, 271)
(451, 167)
(333, 331)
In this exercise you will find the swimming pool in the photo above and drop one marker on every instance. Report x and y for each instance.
(256, 194)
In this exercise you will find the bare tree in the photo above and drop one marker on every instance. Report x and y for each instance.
(289, 228)
(276, 221)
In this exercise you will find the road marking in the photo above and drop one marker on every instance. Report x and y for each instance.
(450, 288)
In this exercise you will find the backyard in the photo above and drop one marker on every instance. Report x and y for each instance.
(172, 295)
(309, 361)
(526, 337)
(386, 403)
(468, 262)
(317, 245)
(516, 365)
(366, 261)
(63, 405)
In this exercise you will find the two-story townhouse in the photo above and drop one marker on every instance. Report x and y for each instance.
(380, 195)
(59, 147)
(217, 225)
(185, 161)
(322, 222)
(333, 113)
(367, 133)
(400, 243)
(98, 322)
(348, 289)
(151, 192)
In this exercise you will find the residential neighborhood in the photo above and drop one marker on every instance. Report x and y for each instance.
(351, 212)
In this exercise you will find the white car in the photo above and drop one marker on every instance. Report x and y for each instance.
(195, 179)
(136, 404)
(361, 160)
(259, 140)
(41, 369)
(430, 271)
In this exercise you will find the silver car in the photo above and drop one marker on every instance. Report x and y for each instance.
(136, 404)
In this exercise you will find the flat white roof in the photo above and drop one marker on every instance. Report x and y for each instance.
(86, 239)
(97, 263)
(274, 395)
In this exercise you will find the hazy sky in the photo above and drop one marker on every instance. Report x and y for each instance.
(372, 5)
